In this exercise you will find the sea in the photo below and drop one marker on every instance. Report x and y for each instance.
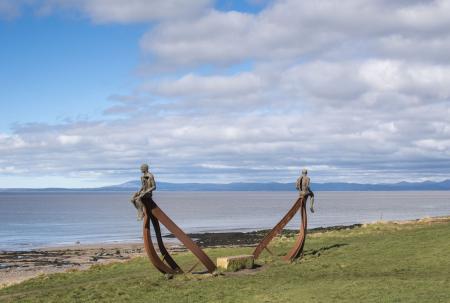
(31, 220)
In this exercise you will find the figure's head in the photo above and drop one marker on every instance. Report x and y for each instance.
(144, 168)
(304, 172)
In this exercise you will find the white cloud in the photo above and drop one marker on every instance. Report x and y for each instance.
(345, 88)
(213, 37)
(290, 28)
(11, 170)
(427, 15)
(68, 139)
(8, 142)
(141, 10)
(334, 81)
(111, 11)
(119, 11)
(419, 48)
(244, 146)
(10, 9)
(214, 86)
(409, 78)
(436, 145)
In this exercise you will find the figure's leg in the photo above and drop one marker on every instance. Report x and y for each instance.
(140, 208)
(137, 202)
(134, 203)
(133, 200)
(311, 206)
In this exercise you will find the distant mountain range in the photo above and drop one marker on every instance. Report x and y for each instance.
(271, 186)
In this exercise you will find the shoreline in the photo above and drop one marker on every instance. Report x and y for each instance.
(18, 266)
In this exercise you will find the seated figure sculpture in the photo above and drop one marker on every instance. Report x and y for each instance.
(296, 251)
(152, 215)
(148, 185)
(302, 186)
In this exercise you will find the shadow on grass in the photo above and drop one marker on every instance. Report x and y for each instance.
(317, 252)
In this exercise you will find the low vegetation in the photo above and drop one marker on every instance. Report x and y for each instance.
(374, 263)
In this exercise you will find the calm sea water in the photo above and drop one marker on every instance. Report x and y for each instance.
(33, 220)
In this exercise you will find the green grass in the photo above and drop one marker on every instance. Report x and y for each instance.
(377, 263)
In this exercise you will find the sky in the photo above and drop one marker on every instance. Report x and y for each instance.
(223, 91)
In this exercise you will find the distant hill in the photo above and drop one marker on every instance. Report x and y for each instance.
(274, 186)
(242, 186)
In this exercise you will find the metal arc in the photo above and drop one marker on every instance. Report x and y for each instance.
(297, 249)
(159, 216)
(150, 249)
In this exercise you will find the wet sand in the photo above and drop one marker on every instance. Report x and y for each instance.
(18, 266)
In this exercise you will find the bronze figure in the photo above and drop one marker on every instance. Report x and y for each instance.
(302, 186)
(148, 185)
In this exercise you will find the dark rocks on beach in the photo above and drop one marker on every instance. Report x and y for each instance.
(36, 258)
(250, 238)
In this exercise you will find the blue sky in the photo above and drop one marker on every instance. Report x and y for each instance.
(223, 91)
(69, 67)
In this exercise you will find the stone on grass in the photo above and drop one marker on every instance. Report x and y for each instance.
(234, 263)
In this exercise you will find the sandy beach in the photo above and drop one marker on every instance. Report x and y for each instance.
(18, 266)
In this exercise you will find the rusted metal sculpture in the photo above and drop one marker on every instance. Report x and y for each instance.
(298, 247)
(303, 186)
(150, 212)
(167, 265)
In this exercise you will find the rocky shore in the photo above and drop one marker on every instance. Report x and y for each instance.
(249, 238)
(17, 266)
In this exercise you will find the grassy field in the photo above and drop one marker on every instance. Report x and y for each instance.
(374, 263)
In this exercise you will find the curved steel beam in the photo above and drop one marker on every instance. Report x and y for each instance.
(150, 249)
(162, 248)
(297, 249)
(298, 246)
(159, 216)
